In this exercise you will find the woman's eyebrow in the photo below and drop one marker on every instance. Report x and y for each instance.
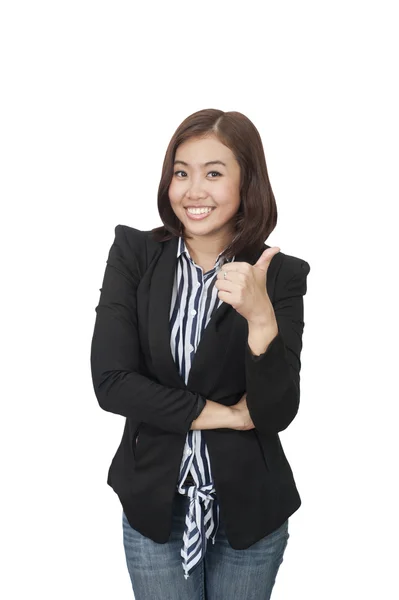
(210, 162)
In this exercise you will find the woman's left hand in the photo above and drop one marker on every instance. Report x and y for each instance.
(245, 289)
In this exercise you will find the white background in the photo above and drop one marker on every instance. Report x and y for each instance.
(91, 93)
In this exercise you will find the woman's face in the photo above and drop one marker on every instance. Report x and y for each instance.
(196, 184)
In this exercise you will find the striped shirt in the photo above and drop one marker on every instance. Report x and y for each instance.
(194, 300)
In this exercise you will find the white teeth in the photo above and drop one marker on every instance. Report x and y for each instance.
(198, 211)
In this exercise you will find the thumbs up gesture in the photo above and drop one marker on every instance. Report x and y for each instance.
(243, 286)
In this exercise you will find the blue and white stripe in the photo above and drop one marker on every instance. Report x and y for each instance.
(194, 300)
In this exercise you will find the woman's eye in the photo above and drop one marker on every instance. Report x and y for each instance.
(214, 172)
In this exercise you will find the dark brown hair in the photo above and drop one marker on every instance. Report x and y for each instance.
(257, 215)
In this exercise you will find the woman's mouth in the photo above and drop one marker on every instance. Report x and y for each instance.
(197, 214)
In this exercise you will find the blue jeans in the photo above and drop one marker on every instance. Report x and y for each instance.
(156, 572)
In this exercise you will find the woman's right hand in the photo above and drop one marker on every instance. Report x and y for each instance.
(242, 418)
(218, 416)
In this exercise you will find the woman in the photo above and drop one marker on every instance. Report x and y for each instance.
(197, 343)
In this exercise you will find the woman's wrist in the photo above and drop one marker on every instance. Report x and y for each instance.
(214, 416)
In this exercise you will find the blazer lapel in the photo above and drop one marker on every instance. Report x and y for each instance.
(160, 297)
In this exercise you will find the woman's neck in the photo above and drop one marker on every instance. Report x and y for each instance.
(204, 252)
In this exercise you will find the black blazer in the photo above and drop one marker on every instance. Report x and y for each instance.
(134, 375)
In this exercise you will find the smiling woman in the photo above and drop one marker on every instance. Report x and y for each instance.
(197, 342)
(215, 159)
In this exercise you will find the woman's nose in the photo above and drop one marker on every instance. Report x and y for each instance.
(195, 188)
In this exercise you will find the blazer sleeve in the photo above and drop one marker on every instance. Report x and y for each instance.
(115, 349)
(272, 378)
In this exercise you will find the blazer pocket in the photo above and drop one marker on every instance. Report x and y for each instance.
(262, 450)
(273, 452)
(135, 440)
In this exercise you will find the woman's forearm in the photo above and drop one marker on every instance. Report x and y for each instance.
(215, 416)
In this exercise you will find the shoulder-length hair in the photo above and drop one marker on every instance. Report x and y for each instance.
(257, 215)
